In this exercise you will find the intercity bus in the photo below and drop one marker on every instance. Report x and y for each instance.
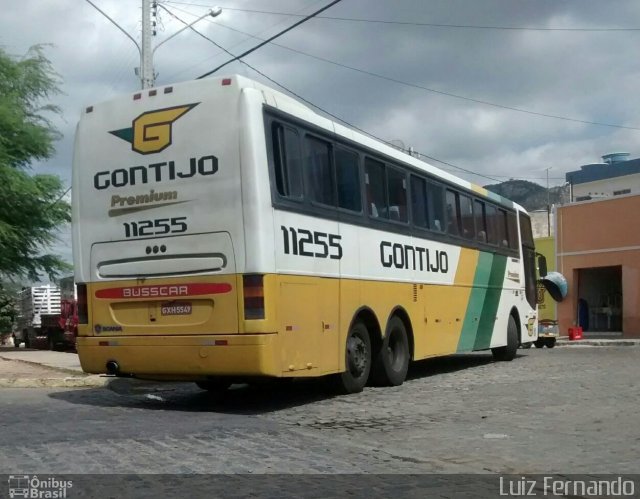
(223, 231)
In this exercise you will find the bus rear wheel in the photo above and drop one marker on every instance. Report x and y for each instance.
(392, 362)
(357, 360)
(508, 352)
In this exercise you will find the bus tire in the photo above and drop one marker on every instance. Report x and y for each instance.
(526, 345)
(508, 352)
(550, 342)
(392, 361)
(357, 360)
(539, 343)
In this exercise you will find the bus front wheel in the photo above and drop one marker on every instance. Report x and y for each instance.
(392, 362)
(508, 352)
(357, 360)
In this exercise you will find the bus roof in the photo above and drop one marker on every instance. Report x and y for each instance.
(294, 106)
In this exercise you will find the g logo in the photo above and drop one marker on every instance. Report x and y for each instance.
(151, 131)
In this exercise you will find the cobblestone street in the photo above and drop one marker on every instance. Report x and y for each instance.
(566, 410)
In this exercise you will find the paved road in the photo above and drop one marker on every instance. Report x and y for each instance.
(564, 410)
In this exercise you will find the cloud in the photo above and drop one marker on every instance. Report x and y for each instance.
(589, 76)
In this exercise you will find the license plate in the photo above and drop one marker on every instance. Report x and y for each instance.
(176, 308)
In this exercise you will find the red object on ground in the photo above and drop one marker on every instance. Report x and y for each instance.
(575, 333)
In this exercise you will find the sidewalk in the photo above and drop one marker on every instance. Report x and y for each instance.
(619, 342)
(20, 368)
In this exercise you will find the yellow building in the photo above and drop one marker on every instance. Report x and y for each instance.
(546, 305)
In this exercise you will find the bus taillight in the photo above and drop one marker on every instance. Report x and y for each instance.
(83, 309)
(253, 296)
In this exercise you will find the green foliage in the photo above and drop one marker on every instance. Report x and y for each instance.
(31, 208)
(7, 309)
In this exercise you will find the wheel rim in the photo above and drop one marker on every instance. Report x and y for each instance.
(357, 353)
(396, 350)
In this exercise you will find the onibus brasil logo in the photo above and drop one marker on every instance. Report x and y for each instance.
(40, 488)
(151, 131)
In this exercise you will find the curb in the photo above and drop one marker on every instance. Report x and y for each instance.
(598, 343)
(46, 366)
(67, 382)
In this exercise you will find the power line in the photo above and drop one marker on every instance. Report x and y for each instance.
(264, 42)
(459, 168)
(439, 92)
(268, 28)
(412, 23)
(58, 200)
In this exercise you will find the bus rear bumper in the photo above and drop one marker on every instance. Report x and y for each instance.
(182, 357)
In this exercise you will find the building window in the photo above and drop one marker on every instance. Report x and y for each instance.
(623, 191)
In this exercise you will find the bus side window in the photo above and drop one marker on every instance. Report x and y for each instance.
(348, 179)
(397, 189)
(375, 185)
(492, 224)
(502, 228)
(420, 214)
(481, 221)
(453, 220)
(320, 171)
(466, 217)
(287, 159)
(435, 203)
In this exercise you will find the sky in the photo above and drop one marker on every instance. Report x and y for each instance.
(468, 94)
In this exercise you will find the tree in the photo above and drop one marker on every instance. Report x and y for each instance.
(7, 309)
(31, 205)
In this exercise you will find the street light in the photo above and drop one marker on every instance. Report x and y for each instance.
(145, 71)
(148, 77)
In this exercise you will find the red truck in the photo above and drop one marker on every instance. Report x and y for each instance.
(60, 330)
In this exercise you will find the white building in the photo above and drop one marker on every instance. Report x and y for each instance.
(615, 176)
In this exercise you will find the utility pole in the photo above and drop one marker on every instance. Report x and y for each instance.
(147, 78)
(548, 206)
(149, 13)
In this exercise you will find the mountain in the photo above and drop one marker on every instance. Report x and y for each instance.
(530, 195)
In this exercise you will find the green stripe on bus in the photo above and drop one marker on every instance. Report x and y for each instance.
(476, 302)
(492, 299)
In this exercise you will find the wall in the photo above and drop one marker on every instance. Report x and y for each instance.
(600, 233)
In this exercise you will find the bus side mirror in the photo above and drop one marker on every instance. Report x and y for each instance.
(542, 265)
(556, 285)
